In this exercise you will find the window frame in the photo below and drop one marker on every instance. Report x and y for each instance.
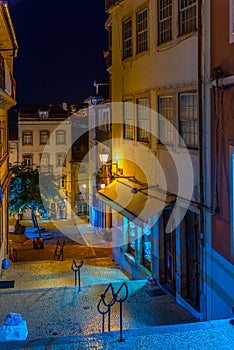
(48, 136)
(140, 32)
(188, 28)
(125, 124)
(146, 129)
(59, 134)
(196, 125)
(58, 157)
(127, 51)
(166, 140)
(28, 156)
(163, 21)
(24, 132)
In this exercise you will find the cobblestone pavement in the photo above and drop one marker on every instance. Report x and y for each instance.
(59, 316)
(66, 311)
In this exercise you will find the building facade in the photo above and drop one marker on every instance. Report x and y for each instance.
(8, 51)
(221, 258)
(45, 143)
(155, 91)
(174, 57)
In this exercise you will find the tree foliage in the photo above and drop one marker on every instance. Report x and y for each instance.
(26, 190)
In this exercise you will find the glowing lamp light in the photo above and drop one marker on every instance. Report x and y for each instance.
(103, 185)
(103, 157)
(84, 185)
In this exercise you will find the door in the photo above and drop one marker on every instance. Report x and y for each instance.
(169, 253)
(192, 259)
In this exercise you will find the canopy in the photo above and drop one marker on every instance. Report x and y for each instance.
(133, 201)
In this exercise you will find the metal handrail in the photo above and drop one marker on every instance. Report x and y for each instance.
(116, 297)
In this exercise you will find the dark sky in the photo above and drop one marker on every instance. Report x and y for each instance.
(61, 44)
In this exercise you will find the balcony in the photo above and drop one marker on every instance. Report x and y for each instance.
(111, 3)
(7, 82)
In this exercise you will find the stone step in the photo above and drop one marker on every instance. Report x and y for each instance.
(182, 336)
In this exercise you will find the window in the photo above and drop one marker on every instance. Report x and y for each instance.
(231, 21)
(45, 159)
(64, 182)
(28, 160)
(132, 237)
(61, 159)
(142, 31)
(82, 168)
(44, 137)
(60, 137)
(164, 21)
(127, 38)
(43, 115)
(27, 137)
(188, 119)
(104, 120)
(165, 129)
(146, 247)
(128, 120)
(142, 120)
(187, 16)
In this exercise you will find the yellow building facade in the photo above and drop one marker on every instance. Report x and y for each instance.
(8, 51)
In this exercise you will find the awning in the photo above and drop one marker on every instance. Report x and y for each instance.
(139, 206)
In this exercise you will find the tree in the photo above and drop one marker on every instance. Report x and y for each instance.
(25, 189)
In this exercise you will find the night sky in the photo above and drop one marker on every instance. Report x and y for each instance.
(61, 46)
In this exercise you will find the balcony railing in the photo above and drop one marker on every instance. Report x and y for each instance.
(7, 82)
(111, 3)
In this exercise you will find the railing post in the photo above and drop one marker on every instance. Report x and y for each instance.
(115, 298)
(76, 268)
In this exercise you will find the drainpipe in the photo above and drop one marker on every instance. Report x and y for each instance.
(204, 154)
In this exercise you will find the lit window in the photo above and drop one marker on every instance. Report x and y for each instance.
(142, 120)
(142, 31)
(164, 21)
(127, 38)
(132, 237)
(187, 16)
(188, 119)
(61, 159)
(165, 129)
(146, 247)
(60, 137)
(44, 137)
(128, 120)
(27, 138)
(28, 160)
